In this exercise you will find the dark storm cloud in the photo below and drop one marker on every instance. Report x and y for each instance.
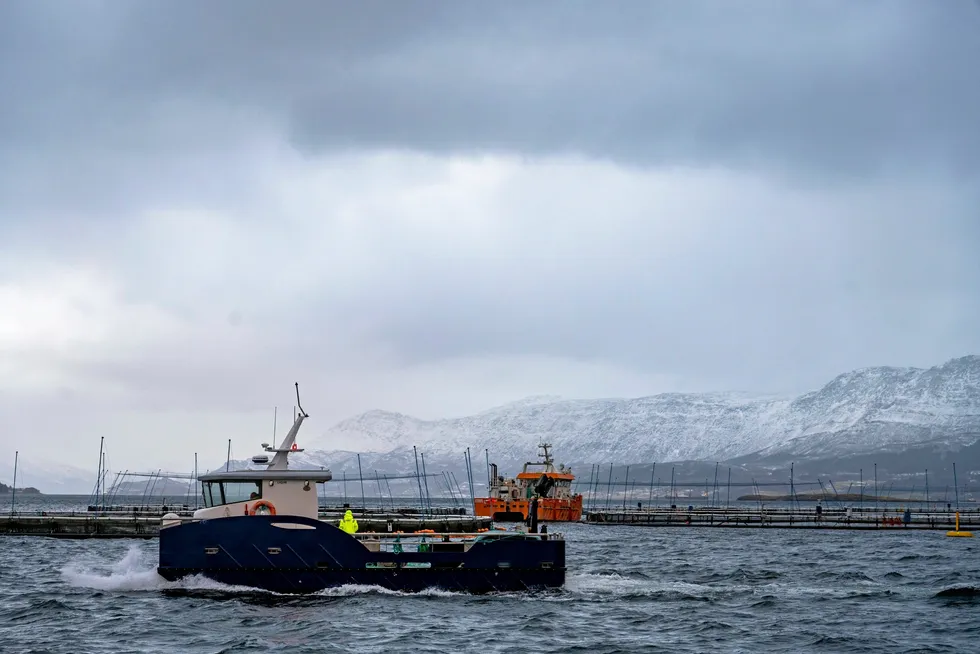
(828, 87)
(118, 108)
(831, 87)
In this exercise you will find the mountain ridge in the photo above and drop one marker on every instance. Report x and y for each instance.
(864, 412)
(861, 411)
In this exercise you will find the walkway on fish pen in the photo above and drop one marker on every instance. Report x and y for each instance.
(786, 518)
(158, 510)
(82, 524)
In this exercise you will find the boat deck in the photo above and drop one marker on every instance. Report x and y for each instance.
(84, 524)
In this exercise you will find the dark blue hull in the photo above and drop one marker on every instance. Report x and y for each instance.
(271, 553)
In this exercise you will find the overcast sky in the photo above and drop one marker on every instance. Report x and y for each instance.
(438, 207)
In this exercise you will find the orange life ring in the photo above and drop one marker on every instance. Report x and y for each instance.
(294, 447)
(265, 503)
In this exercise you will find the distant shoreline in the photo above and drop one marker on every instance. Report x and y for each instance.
(7, 490)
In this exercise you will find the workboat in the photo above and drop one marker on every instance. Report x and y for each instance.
(511, 499)
(260, 528)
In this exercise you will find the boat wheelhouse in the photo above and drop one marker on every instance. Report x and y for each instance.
(510, 499)
(260, 528)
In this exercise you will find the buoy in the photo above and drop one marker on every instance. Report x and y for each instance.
(957, 532)
(256, 509)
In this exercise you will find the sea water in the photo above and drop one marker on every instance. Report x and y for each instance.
(629, 589)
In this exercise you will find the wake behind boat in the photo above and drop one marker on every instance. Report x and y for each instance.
(259, 528)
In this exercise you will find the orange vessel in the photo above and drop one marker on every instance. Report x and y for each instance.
(509, 498)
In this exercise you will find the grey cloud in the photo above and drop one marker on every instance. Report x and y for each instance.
(844, 89)
(747, 305)
(835, 88)
(108, 111)
(110, 107)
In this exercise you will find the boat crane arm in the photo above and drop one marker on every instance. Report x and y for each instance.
(279, 460)
(302, 413)
(543, 485)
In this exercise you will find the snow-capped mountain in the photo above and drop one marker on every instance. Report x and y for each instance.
(863, 411)
(887, 408)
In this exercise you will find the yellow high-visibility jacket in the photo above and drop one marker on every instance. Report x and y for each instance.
(348, 523)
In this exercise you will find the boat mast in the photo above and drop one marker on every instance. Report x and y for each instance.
(360, 474)
(418, 476)
(194, 484)
(956, 487)
(105, 476)
(548, 463)
(13, 489)
(98, 480)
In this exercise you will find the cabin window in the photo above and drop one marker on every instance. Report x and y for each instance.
(241, 491)
(218, 493)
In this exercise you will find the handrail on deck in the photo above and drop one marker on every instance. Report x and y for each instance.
(371, 535)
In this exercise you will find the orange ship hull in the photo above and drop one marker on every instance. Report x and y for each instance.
(549, 509)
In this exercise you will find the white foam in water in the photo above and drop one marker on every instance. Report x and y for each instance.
(610, 584)
(358, 589)
(129, 574)
(614, 584)
(134, 574)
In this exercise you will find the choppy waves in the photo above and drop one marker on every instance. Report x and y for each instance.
(628, 590)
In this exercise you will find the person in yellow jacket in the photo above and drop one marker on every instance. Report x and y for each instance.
(348, 523)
